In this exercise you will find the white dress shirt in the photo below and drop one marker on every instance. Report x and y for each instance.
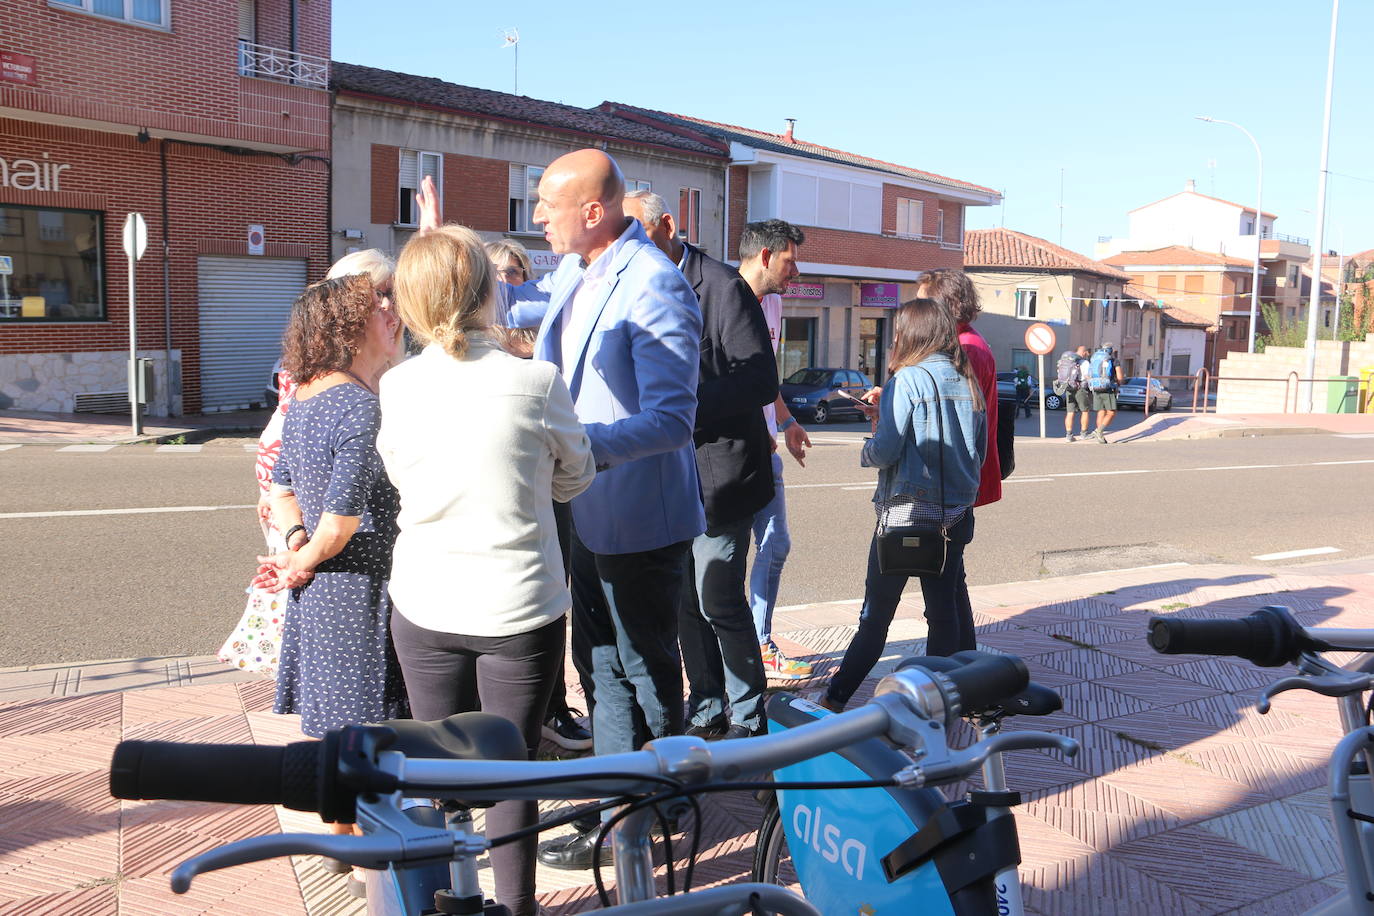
(479, 449)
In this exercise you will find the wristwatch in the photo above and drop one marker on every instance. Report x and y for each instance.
(786, 424)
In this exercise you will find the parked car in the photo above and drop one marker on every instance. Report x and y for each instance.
(812, 394)
(1132, 394)
(1006, 391)
(271, 393)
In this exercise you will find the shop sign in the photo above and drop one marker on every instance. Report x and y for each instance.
(544, 261)
(18, 68)
(879, 295)
(805, 291)
(32, 174)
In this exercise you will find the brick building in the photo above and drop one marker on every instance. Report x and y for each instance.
(871, 228)
(211, 118)
(486, 151)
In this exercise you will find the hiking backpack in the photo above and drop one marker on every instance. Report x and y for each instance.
(1102, 372)
(1068, 375)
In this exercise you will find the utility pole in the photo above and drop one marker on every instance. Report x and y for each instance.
(1314, 302)
(1061, 207)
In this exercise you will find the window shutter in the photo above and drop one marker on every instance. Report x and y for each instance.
(248, 20)
(432, 165)
(517, 182)
(409, 174)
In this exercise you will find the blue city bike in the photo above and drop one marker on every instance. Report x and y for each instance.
(423, 860)
(906, 848)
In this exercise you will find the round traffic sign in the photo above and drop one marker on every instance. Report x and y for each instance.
(1040, 338)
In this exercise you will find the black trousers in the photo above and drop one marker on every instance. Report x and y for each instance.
(510, 676)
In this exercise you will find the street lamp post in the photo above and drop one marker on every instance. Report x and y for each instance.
(1259, 221)
(1314, 303)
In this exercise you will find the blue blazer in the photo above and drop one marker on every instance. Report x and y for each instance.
(634, 384)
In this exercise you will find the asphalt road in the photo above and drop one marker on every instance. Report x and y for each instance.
(93, 586)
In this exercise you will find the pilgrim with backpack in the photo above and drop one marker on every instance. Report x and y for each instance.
(1070, 383)
(1104, 377)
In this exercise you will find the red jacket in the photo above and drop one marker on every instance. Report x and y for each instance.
(985, 370)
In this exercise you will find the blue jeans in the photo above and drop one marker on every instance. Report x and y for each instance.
(624, 640)
(720, 648)
(948, 612)
(774, 543)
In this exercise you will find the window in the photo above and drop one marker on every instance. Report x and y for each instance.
(1025, 303)
(1231, 330)
(1192, 284)
(940, 224)
(1150, 328)
(910, 217)
(140, 12)
(689, 214)
(414, 167)
(1168, 284)
(810, 201)
(636, 184)
(524, 194)
(56, 262)
(1247, 226)
(1116, 310)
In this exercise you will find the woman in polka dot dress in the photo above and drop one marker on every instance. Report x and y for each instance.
(338, 510)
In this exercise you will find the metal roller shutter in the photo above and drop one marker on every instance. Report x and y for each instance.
(244, 306)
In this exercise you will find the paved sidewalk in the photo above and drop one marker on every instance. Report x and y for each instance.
(33, 428)
(1183, 800)
(1177, 425)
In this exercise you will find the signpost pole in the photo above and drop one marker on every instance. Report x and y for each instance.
(1041, 359)
(135, 238)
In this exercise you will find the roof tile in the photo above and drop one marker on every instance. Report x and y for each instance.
(779, 143)
(1008, 248)
(436, 93)
(1175, 256)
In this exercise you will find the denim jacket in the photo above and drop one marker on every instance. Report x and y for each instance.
(907, 447)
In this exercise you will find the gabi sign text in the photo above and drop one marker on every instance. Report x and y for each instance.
(32, 174)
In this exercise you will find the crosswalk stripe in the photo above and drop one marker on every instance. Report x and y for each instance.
(6, 448)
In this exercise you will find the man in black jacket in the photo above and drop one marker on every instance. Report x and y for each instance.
(720, 649)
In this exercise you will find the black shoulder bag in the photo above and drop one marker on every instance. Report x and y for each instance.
(917, 550)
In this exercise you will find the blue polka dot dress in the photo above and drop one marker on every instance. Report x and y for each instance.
(337, 664)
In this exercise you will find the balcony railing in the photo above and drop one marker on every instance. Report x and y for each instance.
(286, 66)
(1296, 240)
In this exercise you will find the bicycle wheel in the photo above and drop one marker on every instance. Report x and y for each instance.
(772, 861)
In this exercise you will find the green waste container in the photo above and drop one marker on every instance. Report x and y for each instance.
(1367, 389)
(1343, 394)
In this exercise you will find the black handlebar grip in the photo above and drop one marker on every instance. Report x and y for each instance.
(231, 773)
(987, 680)
(1268, 637)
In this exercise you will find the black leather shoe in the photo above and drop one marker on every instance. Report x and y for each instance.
(740, 731)
(574, 853)
(711, 731)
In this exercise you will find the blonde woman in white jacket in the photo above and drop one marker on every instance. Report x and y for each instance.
(479, 443)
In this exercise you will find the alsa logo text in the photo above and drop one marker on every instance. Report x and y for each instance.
(810, 828)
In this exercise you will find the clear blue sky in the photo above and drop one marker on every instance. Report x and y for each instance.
(1003, 94)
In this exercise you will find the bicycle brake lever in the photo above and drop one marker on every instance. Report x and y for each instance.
(962, 763)
(1326, 685)
(364, 852)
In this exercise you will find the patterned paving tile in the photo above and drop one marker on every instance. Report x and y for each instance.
(168, 703)
(1156, 688)
(1087, 664)
(1224, 675)
(1027, 643)
(1093, 701)
(1208, 869)
(1101, 751)
(1098, 814)
(1184, 790)
(51, 753)
(68, 714)
(230, 729)
(1264, 768)
(1298, 900)
(1099, 885)
(91, 901)
(261, 889)
(51, 861)
(1295, 831)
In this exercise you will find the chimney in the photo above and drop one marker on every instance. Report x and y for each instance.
(787, 134)
(1190, 185)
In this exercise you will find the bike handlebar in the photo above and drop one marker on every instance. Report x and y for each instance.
(232, 773)
(1269, 637)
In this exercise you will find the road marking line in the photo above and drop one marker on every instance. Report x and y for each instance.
(178, 448)
(1241, 467)
(1357, 461)
(814, 486)
(85, 448)
(6, 448)
(869, 487)
(1102, 473)
(250, 447)
(1355, 435)
(1028, 480)
(70, 513)
(844, 441)
(1290, 554)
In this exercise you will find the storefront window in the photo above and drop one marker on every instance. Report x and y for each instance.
(798, 349)
(50, 265)
(871, 348)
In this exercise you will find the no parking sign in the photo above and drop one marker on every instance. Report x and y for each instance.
(1040, 340)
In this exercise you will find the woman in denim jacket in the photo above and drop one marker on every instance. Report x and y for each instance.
(907, 448)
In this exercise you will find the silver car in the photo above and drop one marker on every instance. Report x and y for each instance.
(1132, 394)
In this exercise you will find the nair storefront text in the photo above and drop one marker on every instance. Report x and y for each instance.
(31, 174)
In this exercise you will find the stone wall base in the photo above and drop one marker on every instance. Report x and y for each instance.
(51, 381)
